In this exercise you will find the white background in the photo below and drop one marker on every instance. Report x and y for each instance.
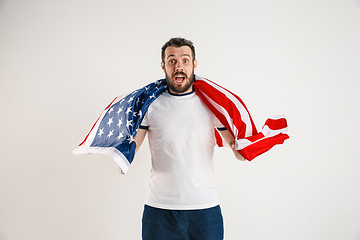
(62, 62)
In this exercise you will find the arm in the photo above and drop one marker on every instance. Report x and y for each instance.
(139, 138)
(230, 140)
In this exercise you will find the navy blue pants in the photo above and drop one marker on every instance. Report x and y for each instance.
(162, 224)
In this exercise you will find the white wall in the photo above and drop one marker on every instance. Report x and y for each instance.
(62, 62)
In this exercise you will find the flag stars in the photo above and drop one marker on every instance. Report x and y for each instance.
(120, 110)
(120, 135)
(117, 126)
(101, 131)
(128, 123)
(110, 134)
(120, 123)
(110, 121)
(131, 98)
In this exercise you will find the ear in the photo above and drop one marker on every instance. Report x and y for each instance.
(163, 66)
(195, 64)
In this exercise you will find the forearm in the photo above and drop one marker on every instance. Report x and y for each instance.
(230, 140)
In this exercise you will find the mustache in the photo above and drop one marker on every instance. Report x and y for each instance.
(180, 73)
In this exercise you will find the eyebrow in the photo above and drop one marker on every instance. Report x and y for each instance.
(172, 55)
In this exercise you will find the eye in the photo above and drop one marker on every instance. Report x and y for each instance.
(172, 61)
(186, 61)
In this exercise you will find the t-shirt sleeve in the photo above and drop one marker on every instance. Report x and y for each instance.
(219, 125)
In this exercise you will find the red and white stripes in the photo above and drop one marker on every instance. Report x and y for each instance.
(233, 114)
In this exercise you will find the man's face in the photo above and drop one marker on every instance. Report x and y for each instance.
(179, 69)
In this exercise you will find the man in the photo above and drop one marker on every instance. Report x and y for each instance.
(182, 202)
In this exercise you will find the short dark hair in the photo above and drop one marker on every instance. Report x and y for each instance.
(177, 42)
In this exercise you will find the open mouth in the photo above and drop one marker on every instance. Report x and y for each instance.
(179, 78)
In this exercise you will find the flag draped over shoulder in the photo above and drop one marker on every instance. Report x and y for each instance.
(233, 114)
(114, 131)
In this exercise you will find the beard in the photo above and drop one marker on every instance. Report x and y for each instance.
(189, 80)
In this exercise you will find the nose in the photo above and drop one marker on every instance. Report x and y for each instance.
(179, 67)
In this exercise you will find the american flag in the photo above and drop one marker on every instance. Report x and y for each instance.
(114, 131)
(233, 114)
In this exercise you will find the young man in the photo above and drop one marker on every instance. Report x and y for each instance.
(182, 202)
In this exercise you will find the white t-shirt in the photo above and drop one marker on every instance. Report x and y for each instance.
(181, 139)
